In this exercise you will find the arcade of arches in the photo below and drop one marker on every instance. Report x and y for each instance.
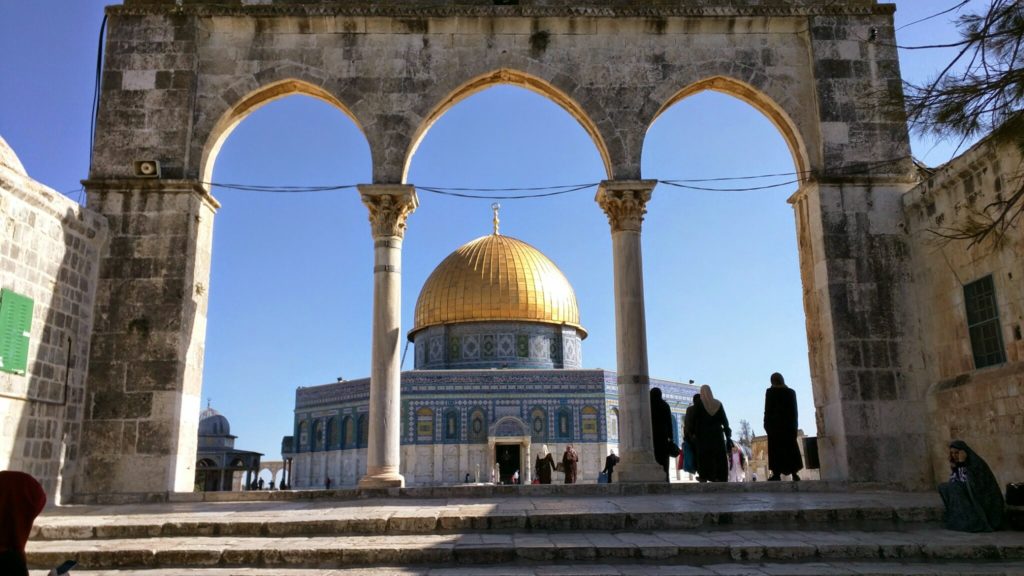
(177, 79)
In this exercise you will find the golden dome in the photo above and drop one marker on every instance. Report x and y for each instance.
(496, 278)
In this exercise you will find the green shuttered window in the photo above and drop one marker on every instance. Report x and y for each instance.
(15, 329)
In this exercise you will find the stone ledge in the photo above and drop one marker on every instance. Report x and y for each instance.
(634, 9)
(831, 568)
(488, 491)
(666, 547)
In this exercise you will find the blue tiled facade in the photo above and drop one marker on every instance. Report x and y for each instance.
(457, 409)
(503, 345)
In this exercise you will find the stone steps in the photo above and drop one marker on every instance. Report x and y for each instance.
(864, 568)
(665, 547)
(393, 516)
(775, 529)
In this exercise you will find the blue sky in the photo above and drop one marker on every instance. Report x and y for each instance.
(290, 289)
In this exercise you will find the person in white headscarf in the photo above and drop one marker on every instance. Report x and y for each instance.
(544, 465)
(712, 433)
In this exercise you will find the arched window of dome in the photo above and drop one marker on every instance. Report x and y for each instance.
(588, 422)
(348, 438)
(333, 435)
(613, 423)
(478, 425)
(364, 431)
(304, 436)
(318, 436)
(564, 423)
(451, 425)
(425, 425)
(539, 423)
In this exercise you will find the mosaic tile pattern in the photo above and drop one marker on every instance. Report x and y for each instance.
(506, 345)
(486, 396)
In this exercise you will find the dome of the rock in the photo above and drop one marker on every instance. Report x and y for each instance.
(496, 278)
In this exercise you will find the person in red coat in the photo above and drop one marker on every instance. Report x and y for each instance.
(21, 500)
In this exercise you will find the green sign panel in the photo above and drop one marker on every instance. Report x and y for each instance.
(15, 330)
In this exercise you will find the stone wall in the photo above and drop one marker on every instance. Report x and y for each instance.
(50, 253)
(984, 407)
(146, 361)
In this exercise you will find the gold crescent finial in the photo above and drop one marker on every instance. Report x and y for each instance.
(496, 207)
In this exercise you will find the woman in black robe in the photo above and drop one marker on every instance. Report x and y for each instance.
(689, 460)
(780, 424)
(545, 465)
(661, 429)
(711, 433)
(974, 502)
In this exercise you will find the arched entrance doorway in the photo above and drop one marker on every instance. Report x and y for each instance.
(508, 441)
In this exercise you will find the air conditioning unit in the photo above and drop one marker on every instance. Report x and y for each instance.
(147, 169)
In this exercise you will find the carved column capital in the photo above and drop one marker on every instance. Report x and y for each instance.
(625, 202)
(390, 205)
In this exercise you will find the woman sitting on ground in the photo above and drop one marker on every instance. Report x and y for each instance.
(972, 497)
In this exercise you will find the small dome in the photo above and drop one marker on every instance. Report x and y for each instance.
(496, 278)
(9, 159)
(212, 423)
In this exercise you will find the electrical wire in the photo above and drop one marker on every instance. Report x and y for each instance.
(749, 189)
(953, 8)
(96, 90)
(534, 192)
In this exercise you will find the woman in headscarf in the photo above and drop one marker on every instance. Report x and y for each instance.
(974, 502)
(570, 460)
(712, 432)
(737, 463)
(21, 500)
(544, 465)
(780, 424)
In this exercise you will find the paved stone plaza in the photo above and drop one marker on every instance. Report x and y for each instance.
(778, 528)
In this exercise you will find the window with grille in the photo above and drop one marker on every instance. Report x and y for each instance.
(983, 323)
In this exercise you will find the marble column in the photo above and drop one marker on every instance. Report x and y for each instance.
(389, 205)
(625, 203)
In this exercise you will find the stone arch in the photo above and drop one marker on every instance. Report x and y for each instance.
(539, 422)
(477, 424)
(509, 426)
(362, 431)
(563, 425)
(348, 437)
(514, 78)
(424, 425)
(316, 441)
(253, 100)
(761, 102)
(303, 436)
(589, 426)
(333, 436)
(451, 425)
